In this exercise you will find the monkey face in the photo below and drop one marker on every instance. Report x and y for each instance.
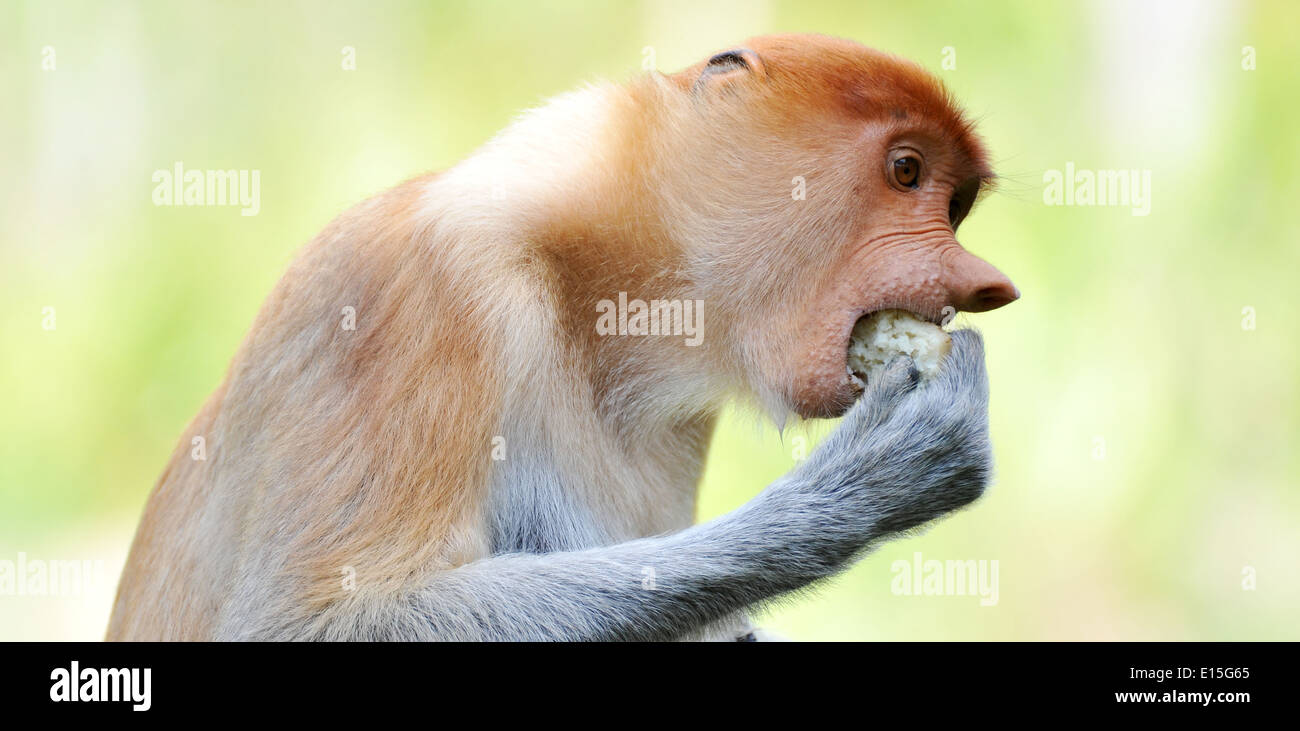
(903, 254)
(884, 169)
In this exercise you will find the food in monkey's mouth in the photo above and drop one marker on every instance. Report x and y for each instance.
(881, 336)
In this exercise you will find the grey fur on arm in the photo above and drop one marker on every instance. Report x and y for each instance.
(902, 456)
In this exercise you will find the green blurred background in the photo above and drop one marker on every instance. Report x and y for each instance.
(1146, 439)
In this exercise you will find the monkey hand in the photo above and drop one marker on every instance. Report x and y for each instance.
(905, 454)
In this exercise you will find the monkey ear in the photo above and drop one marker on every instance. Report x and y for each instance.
(728, 67)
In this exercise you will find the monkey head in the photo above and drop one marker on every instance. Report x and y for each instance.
(825, 181)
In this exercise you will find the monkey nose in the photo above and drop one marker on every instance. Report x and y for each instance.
(974, 285)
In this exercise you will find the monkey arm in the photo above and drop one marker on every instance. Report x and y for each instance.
(902, 456)
(650, 589)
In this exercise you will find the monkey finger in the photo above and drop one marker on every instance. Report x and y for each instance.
(899, 375)
(898, 378)
(965, 361)
(962, 382)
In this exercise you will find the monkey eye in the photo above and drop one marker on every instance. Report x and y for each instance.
(906, 171)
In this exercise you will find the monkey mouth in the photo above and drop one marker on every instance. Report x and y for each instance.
(879, 334)
(826, 385)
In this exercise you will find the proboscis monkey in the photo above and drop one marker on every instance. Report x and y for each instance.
(470, 457)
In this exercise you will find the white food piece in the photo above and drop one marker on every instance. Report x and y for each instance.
(880, 336)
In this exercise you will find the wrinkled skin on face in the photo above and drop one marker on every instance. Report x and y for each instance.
(889, 168)
(905, 255)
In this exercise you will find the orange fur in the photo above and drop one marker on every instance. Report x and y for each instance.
(365, 458)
